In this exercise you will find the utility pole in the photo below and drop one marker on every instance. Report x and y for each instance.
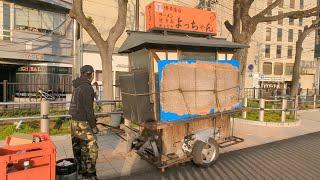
(137, 15)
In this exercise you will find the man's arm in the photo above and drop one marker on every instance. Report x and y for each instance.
(87, 98)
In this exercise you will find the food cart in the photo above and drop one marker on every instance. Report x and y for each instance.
(180, 93)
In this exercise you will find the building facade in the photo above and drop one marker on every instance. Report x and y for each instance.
(36, 39)
(271, 52)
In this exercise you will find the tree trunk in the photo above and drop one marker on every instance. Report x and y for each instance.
(107, 76)
(296, 69)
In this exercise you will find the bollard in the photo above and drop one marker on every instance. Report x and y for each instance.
(5, 90)
(245, 104)
(314, 101)
(284, 110)
(44, 109)
(296, 106)
(261, 111)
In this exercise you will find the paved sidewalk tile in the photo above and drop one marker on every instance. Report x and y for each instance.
(114, 161)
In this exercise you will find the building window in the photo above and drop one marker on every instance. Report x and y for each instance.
(292, 2)
(279, 34)
(267, 68)
(98, 75)
(268, 34)
(280, 21)
(278, 51)
(291, 21)
(39, 21)
(289, 69)
(278, 68)
(301, 4)
(300, 21)
(267, 51)
(289, 52)
(299, 32)
(6, 30)
(290, 35)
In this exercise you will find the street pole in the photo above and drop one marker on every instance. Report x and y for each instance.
(75, 65)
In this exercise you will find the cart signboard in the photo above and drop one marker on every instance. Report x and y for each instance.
(161, 16)
(195, 88)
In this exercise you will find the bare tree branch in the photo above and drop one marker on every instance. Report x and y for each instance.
(77, 13)
(118, 28)
(264, 12)
(296, 67)
(293, 14)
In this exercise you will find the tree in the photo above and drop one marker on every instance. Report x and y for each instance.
(244, 25)
(297, 61)
(106, 47)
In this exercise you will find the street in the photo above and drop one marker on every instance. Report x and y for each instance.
(294, 158)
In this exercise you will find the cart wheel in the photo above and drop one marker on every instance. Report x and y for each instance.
(205, 154)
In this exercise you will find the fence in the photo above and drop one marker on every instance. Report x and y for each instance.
(44, 113)
(271, 93)
(281, 104)
(24, 92)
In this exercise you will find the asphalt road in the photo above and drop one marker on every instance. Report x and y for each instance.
(294, 158)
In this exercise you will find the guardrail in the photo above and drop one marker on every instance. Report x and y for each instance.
(285, 104)
(45, 115)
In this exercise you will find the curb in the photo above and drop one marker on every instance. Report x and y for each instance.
(268, 124)
(309, 110)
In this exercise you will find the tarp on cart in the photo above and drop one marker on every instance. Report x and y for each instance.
(191, 88)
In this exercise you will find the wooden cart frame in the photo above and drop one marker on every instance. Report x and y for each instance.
(166, 144)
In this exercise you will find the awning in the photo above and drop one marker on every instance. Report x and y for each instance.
(138, 40)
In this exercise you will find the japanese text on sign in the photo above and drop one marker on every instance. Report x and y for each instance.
(168, 16)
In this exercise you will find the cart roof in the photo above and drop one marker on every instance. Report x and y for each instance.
(137, 40)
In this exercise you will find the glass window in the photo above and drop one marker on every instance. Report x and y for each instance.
(6, 22)
(290, 35)
(299, 32)
(291, 21)
(267, 68)
(292, 2)
(278, 51)
(301, 4)
(58, 24)
(278, 68)
(34, 19)
(280, 21)
(268, 34)
(21, 17)
(38, 20)
(267, 51)
(47, 20)
(289, 69)
(289, 52)
(300, 21)
(279, 34)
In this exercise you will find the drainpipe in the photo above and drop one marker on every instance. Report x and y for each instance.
(137, 15)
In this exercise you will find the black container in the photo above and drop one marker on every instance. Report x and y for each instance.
(67, 172)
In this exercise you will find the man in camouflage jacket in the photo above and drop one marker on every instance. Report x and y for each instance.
(83, 124)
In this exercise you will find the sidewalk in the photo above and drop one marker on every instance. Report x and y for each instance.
(113, 160)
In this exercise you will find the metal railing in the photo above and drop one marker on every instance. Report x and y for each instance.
(44, 113)
(270, 93)
(282, 104)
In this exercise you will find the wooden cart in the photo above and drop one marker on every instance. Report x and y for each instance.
(196, 134)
